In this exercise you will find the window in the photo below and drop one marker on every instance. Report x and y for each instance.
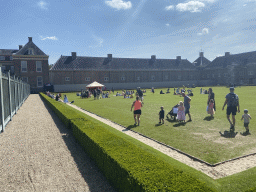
(212, 75)
(38, 66)
(191, 76)
(179, 77)
(25, 79)
(225, 75)
(152, 77)
(87, 78)
(219, 75)
(23, 66)
(241, 73)
(11, 58)
(138, 78)
(208, 75)
(30, 51)
(166, 77)
(123, 78)
(232, 74)
(2, 57)
(39, 81)
(67, 78)
(250, 73)
(106, 78)
(3, 69)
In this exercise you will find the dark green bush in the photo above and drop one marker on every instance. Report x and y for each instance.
(125, 165)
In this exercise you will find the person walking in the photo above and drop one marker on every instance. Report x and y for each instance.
(211, 95)
(187, 100)
(161, 115)
(232, 101)
(246, 117)
(137, 110)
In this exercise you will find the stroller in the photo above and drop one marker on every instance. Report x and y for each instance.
(173, 113)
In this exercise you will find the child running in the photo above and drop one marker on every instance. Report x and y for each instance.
(181, 113)
(161, 115)
(211, 108)
(246, 118)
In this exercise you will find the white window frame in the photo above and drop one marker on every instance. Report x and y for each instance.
(67, 78)
(23, 79)
(138, 78)
(24, 63)
(123, 78)
(106, 79)
(2, 58)
(39, 81)
(153, 78)
(39, 63)
(11, 58)
(87, 78)
(30, 51)
(250, 72)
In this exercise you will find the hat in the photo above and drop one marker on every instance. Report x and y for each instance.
(232, 88)
(246, 110)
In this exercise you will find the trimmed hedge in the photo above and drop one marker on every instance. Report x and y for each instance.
(126, 166)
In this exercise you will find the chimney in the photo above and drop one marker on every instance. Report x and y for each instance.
(201, 54)
(109, 57)
(29, 39)
(178, 60)
(73, 55)
(153, 57)
(20, 46)
(227, 54)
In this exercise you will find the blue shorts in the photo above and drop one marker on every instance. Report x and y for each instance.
(231, 109)
(137, 112)
(187, 110)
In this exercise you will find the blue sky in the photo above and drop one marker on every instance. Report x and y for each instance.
(134, 28)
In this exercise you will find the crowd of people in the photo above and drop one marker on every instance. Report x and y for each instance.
(181, 109)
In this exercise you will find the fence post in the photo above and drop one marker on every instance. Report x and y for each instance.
(2, 99)
(15, 93)
(10, 94)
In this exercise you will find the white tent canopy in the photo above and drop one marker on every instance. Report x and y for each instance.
(94, 85)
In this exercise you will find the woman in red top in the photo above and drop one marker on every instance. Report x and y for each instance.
(137, 110)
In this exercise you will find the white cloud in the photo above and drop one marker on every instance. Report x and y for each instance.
(171, 7)
(167, 24)
(50, 38)
(192, 6)
(119, 4)
(208, 1)
(204, 31)
(42, 5)
(99, 42)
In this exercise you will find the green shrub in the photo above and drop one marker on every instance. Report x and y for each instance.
(124, 164)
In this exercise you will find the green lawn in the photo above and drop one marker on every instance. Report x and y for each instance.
(199, 138)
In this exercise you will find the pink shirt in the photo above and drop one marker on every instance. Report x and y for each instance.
(137, 105)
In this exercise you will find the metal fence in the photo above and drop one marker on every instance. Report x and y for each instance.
(13, 93)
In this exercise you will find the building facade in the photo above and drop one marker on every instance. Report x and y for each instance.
(28, 62)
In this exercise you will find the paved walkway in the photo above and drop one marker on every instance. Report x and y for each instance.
(38, 153)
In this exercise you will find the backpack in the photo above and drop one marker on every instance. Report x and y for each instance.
(234, 99)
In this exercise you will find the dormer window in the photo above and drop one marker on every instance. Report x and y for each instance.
(30, 51)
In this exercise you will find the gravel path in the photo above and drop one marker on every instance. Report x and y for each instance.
(38, 153)
(222, 170)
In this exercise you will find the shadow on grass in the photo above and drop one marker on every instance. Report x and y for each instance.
(179, 124)
(171, 120)
(158, 124)
(86, 166)
(208, 118)
(228, 134)
(129, 127)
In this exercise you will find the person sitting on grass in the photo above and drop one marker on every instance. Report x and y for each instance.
(246, 118)
(211, 110)
(161, 115)
(181, 117)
